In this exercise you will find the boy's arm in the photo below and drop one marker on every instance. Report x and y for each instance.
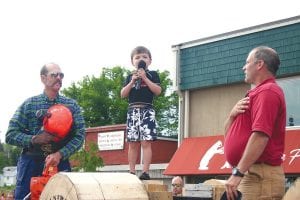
(155, 88)
(154, 84)
(126, 89)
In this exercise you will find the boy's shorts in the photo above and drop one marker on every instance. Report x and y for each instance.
(141, 124)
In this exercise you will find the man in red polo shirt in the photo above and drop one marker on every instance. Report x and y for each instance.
(254, 131)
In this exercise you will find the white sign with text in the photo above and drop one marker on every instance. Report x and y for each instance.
(111, 140)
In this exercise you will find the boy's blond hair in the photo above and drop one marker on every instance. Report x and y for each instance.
(140, 49)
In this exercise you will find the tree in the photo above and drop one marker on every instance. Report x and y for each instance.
(100, 97)
(9, 155)
(166, 106)
(3, 160)
(14, 155)
(88, 160)
(102, 104)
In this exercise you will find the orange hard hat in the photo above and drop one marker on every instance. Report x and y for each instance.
(58, 121)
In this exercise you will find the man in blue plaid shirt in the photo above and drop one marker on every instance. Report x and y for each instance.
(39, 148)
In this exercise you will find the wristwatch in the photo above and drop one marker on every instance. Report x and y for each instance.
(236, 172)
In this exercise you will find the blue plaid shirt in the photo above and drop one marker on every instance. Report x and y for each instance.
(25, 123)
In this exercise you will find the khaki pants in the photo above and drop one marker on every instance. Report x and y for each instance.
(263, 182)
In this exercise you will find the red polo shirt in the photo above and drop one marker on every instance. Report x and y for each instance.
(266, 114)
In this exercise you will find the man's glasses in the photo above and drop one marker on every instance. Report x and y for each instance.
(176, 185)
(56, 74)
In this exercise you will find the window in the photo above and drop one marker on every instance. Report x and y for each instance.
(291, 88)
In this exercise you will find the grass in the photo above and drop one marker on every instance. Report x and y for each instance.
(6, 189)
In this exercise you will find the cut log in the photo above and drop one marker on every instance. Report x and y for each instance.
(94, 186)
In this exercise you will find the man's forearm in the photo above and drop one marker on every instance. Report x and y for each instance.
(254, 149)
(15, 137)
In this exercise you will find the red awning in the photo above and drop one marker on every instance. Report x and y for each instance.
(205, 155)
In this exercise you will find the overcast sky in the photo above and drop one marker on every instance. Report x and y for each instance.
(83, 36)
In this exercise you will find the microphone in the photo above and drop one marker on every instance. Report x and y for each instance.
(141, 65)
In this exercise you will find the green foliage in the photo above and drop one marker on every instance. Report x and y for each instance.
(7, 189)
(13, 153)
(88, 160)
(166, 106)
(8, 155)
(102, 104)
(3, 160)
(100, 97)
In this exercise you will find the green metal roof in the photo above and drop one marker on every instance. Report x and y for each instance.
(212, 61)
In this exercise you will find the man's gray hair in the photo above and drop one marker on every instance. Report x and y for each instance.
(269, 56)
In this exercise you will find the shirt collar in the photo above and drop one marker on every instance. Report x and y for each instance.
(48, 100)
(269, 80)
